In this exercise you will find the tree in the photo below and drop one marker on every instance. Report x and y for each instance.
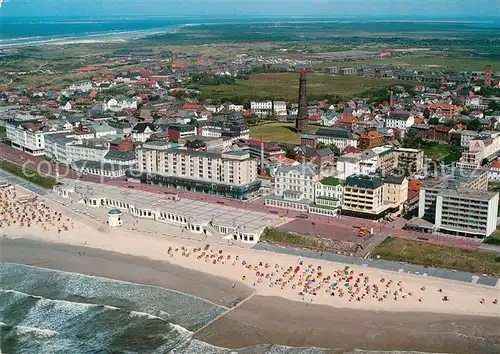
(412, 140)
(433, 121)
(291, 154)
(332, 147)
(474, 124)
(484, 162)
(427, 113)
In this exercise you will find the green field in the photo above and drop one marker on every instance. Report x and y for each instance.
(281, 132)
(285, 86)
(437, 151)
(427, 254)
(45, 182)
(421, 63)
(2, 131)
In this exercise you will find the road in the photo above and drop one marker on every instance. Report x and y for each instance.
(13, 179)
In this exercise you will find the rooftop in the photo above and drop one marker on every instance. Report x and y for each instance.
(332, 181)
(364, 181)
(191, 209)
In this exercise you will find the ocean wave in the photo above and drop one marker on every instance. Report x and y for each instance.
(32, 331)
(188, 311)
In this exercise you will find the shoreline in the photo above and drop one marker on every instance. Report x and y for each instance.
(149, 239)
(262, 318)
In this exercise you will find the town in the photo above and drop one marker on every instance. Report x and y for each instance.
(410, 160)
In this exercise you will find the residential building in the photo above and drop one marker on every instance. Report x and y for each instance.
(395, 193)
(321, 157)
(268, 108)
(386, 159)
(483, 147)
(401, 120)
(409, 160)
(142, 132)
(83, 86)
(29, 135)
(459, 203)
(179, 131)
(101, 129)
(232, 174)
(370, 140)
(347, 71)
(66, 149)
(342, 138)
(329, 192)
(494, 171)
(121, 103)
(364, 196)
(295, 188)
(466, 136)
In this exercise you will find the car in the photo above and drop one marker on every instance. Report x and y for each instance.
(303, 216)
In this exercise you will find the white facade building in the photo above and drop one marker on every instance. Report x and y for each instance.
(401, 120)
(29, 136)
(342, 138)
(120, 104)
(83, 86)
(265, 108)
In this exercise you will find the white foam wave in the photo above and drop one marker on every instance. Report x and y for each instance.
(34, 331)
(144, 314)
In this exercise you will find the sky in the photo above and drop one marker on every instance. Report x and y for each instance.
(391, 9)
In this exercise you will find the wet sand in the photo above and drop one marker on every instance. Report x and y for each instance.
(122, 267)
(275, 320)
(263, 319)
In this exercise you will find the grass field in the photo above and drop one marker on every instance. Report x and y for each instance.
(45, 182)
(285, 86)
(281, 132)
(2, 132)
(420, 63)
(437, 151)
(427, 254)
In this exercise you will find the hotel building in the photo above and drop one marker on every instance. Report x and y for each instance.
(410, 160)
(231, 174)
(459, 203)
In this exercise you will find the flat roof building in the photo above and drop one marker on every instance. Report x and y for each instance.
(459, 203)
(218, 221)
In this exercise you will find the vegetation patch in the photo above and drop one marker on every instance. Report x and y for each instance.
(280, 132)
(33, 177)
(426, 254)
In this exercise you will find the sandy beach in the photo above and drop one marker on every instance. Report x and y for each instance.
(268, 274)
(314, 298)
(262, 319)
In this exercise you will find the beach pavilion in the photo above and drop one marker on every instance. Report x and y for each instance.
(214, 220)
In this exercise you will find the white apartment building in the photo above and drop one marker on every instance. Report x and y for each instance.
(401, 120)
(364, 196)
(329, 192)
(232, 174)
(298, 188)
(83, 86)
(68, 150)
(342, 138)
(298, 180)
(142, 132)
(466, 136)
(29, 136)
(265, 108)
(480, 148)
(120, 104)
(411, 160)
(460, 204)
(101, 130)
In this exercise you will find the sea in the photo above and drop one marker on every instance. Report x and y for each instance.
(44, 311)
(17, 31)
